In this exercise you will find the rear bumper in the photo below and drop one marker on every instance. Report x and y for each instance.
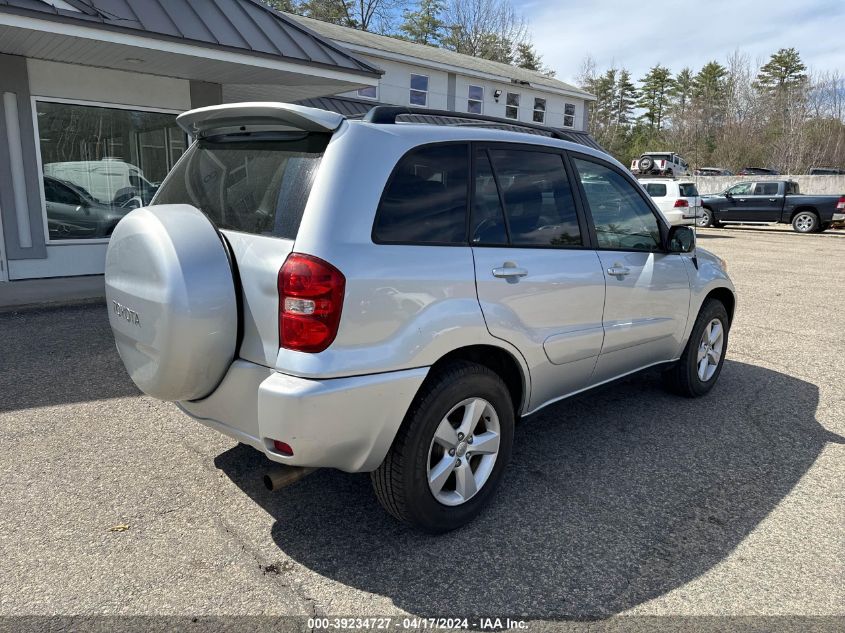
(344, 423)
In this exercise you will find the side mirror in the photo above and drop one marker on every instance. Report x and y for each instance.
(681, 239)
(728, 195)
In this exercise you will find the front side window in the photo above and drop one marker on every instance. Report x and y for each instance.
(539, 110)
(419, 90)
(569, 115)
(248, 185)
(622, 218)
(656, 189)
(112, 159)
(475, 100)
(425, 201)
(512, 105)
(370, 92)
(742, 189)
(538, 200)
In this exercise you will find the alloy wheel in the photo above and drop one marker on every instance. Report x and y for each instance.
(463, 451)
(710, 349)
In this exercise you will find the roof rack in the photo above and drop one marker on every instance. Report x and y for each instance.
(388, 114)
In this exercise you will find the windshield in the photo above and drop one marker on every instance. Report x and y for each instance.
(248, 184)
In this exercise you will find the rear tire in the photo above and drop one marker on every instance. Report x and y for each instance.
(707, 219)
(691, 376)
(424, 448)
(805, 222)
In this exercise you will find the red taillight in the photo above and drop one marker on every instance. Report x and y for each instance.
(681, 202)
(283, 448)
(310, 300)
(841, 204)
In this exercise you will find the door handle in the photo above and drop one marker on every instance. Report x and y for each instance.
(741, 199)
(509, 271)
(772, 199)
(617, 270)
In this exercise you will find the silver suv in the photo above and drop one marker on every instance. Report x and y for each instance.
(389, 297)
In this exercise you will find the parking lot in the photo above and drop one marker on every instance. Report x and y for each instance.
(625, 500)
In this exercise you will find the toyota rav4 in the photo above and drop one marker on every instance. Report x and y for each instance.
(391, 297)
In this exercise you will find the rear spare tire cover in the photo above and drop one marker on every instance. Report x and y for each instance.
(171, 301)
(646, 163)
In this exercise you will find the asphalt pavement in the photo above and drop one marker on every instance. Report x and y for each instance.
(625, 500)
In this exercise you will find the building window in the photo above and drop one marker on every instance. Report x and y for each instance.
(539, 110)
(512, 106)
(99, 163)
(370, 92)
(569, 115)
(419, 90)
(475, 100)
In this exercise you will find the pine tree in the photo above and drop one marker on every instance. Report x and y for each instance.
(784, 71)
(625, 98)
(334, 11)
(681, 91)
(654, 95)
(424, 25)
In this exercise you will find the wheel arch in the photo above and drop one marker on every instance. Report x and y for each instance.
(803, 208)
(726, 297)
(502, 361)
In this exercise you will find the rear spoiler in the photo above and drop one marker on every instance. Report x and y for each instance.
(267, 115)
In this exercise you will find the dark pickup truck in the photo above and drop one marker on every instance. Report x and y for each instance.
(772, 201)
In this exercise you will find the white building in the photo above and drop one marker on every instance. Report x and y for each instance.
(425, 76)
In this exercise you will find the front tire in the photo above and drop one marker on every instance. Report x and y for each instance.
(450, 452)
(701, 363)
(707, 219)
(805, 222)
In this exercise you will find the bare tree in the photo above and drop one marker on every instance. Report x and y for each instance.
(491, 29)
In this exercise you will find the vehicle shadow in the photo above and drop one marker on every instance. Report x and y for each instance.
(59, 355)
(611, 499)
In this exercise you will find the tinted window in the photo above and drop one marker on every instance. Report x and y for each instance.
(766, 189)
(57, 192)
(252, 186)
(622, 217)
(656, 189)
(538, 198)
(426, 199)
(488, 219)
(687, 190)
(792, 188)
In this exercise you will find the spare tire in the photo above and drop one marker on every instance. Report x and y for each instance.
(646, 163)
(172, 301)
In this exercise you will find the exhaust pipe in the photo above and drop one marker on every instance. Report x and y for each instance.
(283, 476)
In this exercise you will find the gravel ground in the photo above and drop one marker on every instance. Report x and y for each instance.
(622, 501)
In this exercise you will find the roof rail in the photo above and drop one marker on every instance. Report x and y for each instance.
(384, 114)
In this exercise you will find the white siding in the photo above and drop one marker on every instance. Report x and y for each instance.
(394, 89)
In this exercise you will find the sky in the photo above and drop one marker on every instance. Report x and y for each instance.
(638, 34)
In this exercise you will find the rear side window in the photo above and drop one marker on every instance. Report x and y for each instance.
(251, 185)
(766, 189)
(538, 198)
(656, 189)
(425, 201)
(792, 188)
(688, 190)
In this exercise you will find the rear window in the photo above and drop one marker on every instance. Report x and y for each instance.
(792, 188)
(252, 185)
(656, 189)
(688, 190)
(425, 201)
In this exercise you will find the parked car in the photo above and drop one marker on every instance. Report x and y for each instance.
(757, 171)
(826, 171)
(677, 200)
(772, 201)
(73, 213)
(253, 293)
(110, 181)
(713, 171)
(660, 164)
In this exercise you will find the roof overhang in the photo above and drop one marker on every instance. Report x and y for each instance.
(467, 72)
(258, 74)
